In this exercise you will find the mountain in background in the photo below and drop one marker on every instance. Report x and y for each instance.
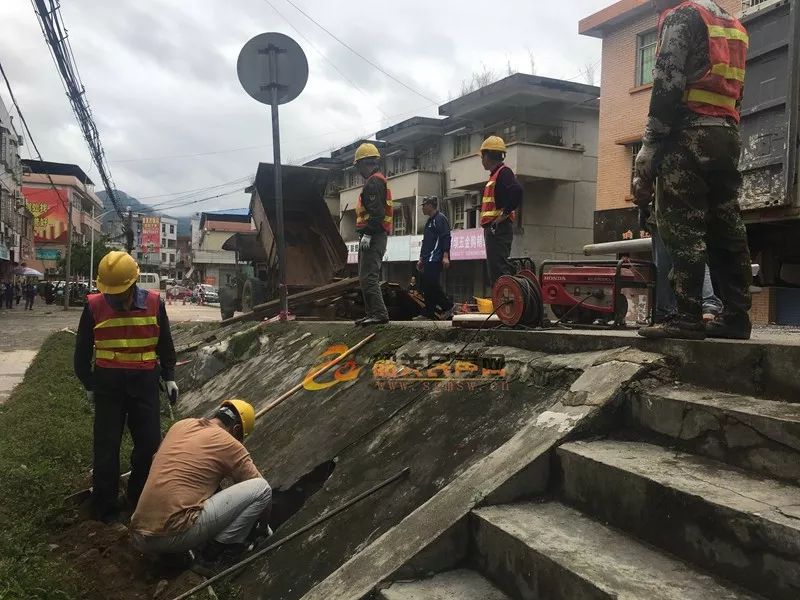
(111, 219)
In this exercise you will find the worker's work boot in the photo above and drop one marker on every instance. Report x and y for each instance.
(359, 321)
(216, 557)
(731, 328)
(373, 321)
(676, 328)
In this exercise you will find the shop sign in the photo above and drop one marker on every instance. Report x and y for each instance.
(467, 244)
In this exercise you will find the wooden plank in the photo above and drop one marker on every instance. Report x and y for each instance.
(295, 300)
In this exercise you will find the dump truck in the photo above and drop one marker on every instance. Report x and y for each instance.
(316, 255)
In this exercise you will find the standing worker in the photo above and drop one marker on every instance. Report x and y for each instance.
(434, 256)
(691, 143)
(8, 294)
(501, 197)
(30, 295)
(374, 212)
(182, 507)
(128, 330)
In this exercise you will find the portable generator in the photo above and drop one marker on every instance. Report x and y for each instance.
(590, 292)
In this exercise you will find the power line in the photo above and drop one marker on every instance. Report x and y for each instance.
(202, 189)
(152, 209)
(329, 61)
(361, 56)
(56, 37)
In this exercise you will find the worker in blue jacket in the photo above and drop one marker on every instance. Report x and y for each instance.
(433, 257)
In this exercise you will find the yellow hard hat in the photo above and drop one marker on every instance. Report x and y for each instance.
(493, 142)
(366, 150)
(246, 414)
(117, 272)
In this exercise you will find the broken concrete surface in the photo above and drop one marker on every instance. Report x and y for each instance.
(461, 584)
(756, 434)
(353, 432)
(737, 524)
(554, 552)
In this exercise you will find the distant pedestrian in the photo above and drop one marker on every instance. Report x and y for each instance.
(8, 295)
(17, 292)
(433, 257)
(30, 295)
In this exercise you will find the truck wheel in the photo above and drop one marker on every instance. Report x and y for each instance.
(227, 302)
(254, 292)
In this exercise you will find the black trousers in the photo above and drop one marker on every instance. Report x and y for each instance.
(120, 397)
(9, 301)
(432, 289)
(498, 249)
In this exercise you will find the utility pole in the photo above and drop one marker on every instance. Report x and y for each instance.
(68, 267)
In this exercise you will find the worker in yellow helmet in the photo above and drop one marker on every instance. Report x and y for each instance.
(123, 346)
(374, 212)
(181, 507)
(502, 196)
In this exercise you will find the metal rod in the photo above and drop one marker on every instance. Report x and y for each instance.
(637, 245)
(293, 535)
(319, 372)
(276, 153)
(68, 265)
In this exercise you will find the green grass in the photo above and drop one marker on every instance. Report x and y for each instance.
(45, 450)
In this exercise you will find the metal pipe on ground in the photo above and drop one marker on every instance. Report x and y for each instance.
(294, 534)
(620, 247)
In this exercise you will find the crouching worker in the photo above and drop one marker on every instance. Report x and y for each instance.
(181, 508)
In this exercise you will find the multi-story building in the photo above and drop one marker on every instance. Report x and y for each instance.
(49, 190)
(550, 128)
(183, 256)
(16, 221)
(169, 245)
(210, 263)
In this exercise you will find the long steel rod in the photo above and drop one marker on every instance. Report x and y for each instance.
(293, 535)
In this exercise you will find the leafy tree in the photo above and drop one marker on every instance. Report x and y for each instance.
(81, 256)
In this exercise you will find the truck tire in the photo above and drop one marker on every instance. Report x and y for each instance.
(227, 302)
(254, 293)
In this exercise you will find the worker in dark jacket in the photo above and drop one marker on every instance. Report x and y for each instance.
(691, 144)
(127, 330)
(502, 195)
(374, 213)
(434, 256)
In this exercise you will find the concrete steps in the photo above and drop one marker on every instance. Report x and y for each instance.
(553, 552)
(755, 434)
(737, 524)
(460, 584)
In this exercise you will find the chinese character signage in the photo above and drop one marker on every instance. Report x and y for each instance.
(49, 210)
(467, 244)
(150, 240)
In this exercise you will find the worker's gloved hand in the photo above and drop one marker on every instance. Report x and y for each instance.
(642, 192)
(90, 397)
(644, 175)
(172, 392)
(366, 241)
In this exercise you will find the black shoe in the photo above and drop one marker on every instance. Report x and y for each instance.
(373, 321)
(675, 328)
(359, 321)
(216, 557)
(730, 328)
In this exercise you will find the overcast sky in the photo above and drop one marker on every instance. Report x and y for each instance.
(161, 77)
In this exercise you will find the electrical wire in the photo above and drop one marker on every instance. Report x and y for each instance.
(358, 54)
(325, 58)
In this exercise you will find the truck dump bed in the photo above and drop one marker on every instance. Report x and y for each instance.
(315, 251)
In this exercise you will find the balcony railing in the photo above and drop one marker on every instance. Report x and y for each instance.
(557, 133)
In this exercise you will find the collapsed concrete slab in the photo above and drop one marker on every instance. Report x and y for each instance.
(464, 434)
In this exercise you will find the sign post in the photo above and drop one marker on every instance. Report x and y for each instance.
(273, 69)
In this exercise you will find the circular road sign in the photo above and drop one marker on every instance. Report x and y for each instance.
(272, 60)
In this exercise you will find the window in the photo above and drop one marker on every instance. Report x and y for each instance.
(353, 178)
(172, 229)
(398, 220)
(645, 57)
(163, 257)
(459, 206)
(163, 228)
(634, 151)
(461, 145)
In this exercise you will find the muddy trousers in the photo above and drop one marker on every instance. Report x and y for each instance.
(123, 396)
(498, 249)
(227, 517)
(699, 219)
(432, 289)
(369, 274)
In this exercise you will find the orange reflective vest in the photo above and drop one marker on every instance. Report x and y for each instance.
(489, 210)
(125, 340)
(717, 92)
(362, 216)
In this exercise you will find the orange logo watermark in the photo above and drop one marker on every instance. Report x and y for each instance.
(347, 371)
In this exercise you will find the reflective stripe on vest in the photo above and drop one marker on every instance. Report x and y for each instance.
(125, 340)
(362, 216)
(489, 210)
(717, 92)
